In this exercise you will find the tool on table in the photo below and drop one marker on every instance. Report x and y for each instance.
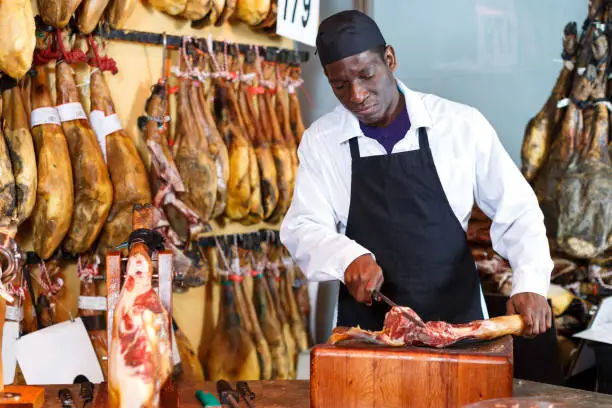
(227, 394)
(87, 389)
(65, 397)
(207, 399)
(382, 298)
(246, 393)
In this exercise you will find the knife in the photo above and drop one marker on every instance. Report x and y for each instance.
(380, 297)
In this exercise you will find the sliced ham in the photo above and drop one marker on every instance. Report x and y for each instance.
(140, 357)
(399, 331)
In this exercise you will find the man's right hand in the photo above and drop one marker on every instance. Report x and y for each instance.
(363, 276)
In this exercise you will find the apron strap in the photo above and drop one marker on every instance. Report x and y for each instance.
(423, 139)
(354, 144)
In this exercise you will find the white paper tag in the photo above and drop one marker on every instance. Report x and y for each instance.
(14, 313)
(563, 103)
(569, 65)
(44, 116)
(104, 126)
(92, 302)
(10, 334)
(71, 111)
(581, 71)
(57, 354)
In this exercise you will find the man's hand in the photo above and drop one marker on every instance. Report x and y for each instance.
(535, 311)
(363, 276)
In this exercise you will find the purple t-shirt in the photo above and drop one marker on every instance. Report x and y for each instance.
(391, 134)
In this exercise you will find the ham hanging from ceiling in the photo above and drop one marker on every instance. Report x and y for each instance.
(89, 13)
(127, 171)
(295, 74)
(217, 148)
(18, 33)
(21, 151)
(540, 129)
(399, 331)
(252, 12)
(195, 165)
(54, 204)
(261, 143)
(93, 191)
(118, 11)
(140, 358)
(585, 193)
(57, 13)
(7, 183)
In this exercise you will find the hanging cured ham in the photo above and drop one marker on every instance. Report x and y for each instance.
(140, 357)
(280, 152)
(17, 30)
(244, 121)
(53, 208)
(283, 113)
(170, 7)
(399, 331)
(7, 183)
(89, 14)
(57, 13)
(232, 354)
(93, 191)
(261, 142)
(252, 12)
(228, 11)
(21, 151)
(127, 172)
(585, 193)
(195, 165)
(196, 9)
(297, 124)
(540, 129)
(217, 148)
(118, 11)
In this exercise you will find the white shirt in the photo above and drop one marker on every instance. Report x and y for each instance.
(471, 163)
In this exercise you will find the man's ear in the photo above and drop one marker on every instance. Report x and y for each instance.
(390, 58)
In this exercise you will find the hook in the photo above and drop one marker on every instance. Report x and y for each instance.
(164, 54)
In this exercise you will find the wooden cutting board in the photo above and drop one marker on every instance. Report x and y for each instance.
(366, 376)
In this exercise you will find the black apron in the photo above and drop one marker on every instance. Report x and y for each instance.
(399, 211)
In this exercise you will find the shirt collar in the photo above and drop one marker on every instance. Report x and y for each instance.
(419, 117)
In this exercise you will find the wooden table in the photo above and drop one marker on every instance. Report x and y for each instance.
(296, 394)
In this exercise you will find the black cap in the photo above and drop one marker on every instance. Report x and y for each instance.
(347, 33)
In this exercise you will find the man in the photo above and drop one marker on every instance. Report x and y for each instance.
(385, 188)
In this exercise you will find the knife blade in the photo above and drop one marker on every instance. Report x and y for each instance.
(380, 297)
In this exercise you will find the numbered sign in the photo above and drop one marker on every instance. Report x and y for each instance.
(298, 20)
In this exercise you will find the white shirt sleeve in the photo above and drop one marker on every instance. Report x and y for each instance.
(308, 230)
(502, 193)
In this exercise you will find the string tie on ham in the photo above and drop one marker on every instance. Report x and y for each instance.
(71, 57)
(103, 64)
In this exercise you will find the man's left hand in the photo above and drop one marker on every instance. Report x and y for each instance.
(535, 311)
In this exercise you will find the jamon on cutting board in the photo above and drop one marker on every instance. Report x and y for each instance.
(140, 357)
(399, 331)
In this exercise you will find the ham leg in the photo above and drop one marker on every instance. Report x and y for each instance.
(399, 331)
(140, 358)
